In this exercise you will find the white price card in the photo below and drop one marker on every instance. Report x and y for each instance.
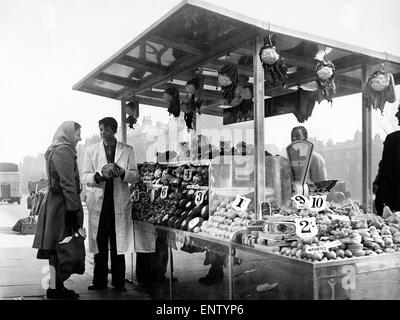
(135, 195)
(301, 201)
(164, 192)
(315, 249)
(152, 193)
(241, 203)
(317, 203)
(187, 174)
(340, 217)
(306, 227)
(199, 197)
(333, 244)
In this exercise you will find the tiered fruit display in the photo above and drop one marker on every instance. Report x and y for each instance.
(179, 207)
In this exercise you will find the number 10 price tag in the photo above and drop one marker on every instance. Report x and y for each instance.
(164, 192)
(317, 203)
(306, 227)
(241, 203)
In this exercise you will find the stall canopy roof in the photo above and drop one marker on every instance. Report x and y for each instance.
(196, 38)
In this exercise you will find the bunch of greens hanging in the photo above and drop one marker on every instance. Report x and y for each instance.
(228, 80)
(171, 95)
(272, 61)
(132, 110)
(194, 89)
(380, 88)
(325, 72)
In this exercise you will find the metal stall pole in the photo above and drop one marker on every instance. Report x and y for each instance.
(366, 148)
(259, 115)
(124, 139)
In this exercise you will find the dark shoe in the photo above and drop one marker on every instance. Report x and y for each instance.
(93, 287)
(212, 278)
(120, 289)
(61, 294)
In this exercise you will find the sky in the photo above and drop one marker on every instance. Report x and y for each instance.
(46, 46)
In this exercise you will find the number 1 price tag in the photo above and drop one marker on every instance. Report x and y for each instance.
(317, 203)
(301, 201)
(199, 197)
(306, 227)
(164, 192)
(241, 203)
(187, 174)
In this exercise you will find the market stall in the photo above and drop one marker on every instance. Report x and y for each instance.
(200, 58)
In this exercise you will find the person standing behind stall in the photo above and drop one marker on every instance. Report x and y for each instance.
(386, 186)
(317, 170)
(63, 207)
(108, 167)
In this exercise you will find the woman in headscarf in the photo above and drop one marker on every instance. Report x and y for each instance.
(63, 206)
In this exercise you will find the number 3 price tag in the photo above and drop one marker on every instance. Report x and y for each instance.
(317, 203)
(199, 197)
(306, 227)
(241, 203)
(301, 201)
(164, 192)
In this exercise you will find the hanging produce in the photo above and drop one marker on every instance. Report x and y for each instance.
(380, 89)
(273, 62)
(194, 89)
(245, 109)
(228, 80)
(171, 95)
(325, 71)
(132, 110)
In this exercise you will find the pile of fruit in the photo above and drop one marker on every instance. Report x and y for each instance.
(224, 220)
(359, 236)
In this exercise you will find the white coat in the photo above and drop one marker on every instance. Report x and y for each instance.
(94, 160)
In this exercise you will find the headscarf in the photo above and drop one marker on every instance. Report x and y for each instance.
(65, 135)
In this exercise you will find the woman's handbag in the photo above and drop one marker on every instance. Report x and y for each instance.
(71, 253)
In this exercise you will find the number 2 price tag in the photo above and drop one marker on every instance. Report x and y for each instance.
(241, 203)
(187, 174)
(317, 203)
(199, 197)
(301, 201)
(306, 227)
(164, 192)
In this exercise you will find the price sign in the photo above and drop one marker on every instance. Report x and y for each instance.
(241, 203)
(340, 217)
(266, 208)
(317, 249)
(152, 193)
(199, 197)
(333, 244)
(187, 174)
(306, 227)
(135, 195)
(164, 192)
(301, 201)
(317, 203)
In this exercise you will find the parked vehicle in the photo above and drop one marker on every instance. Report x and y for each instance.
(10, 190)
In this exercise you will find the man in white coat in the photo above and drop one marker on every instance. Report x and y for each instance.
(108, 168)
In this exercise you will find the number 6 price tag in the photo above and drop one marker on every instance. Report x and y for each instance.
(135, 195)
(317, 203)
(241, 203)
(164, 192)
(301, 201)
(306, 227)
(199, 197)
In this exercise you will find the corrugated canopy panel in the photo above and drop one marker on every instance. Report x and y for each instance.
(196, 38)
